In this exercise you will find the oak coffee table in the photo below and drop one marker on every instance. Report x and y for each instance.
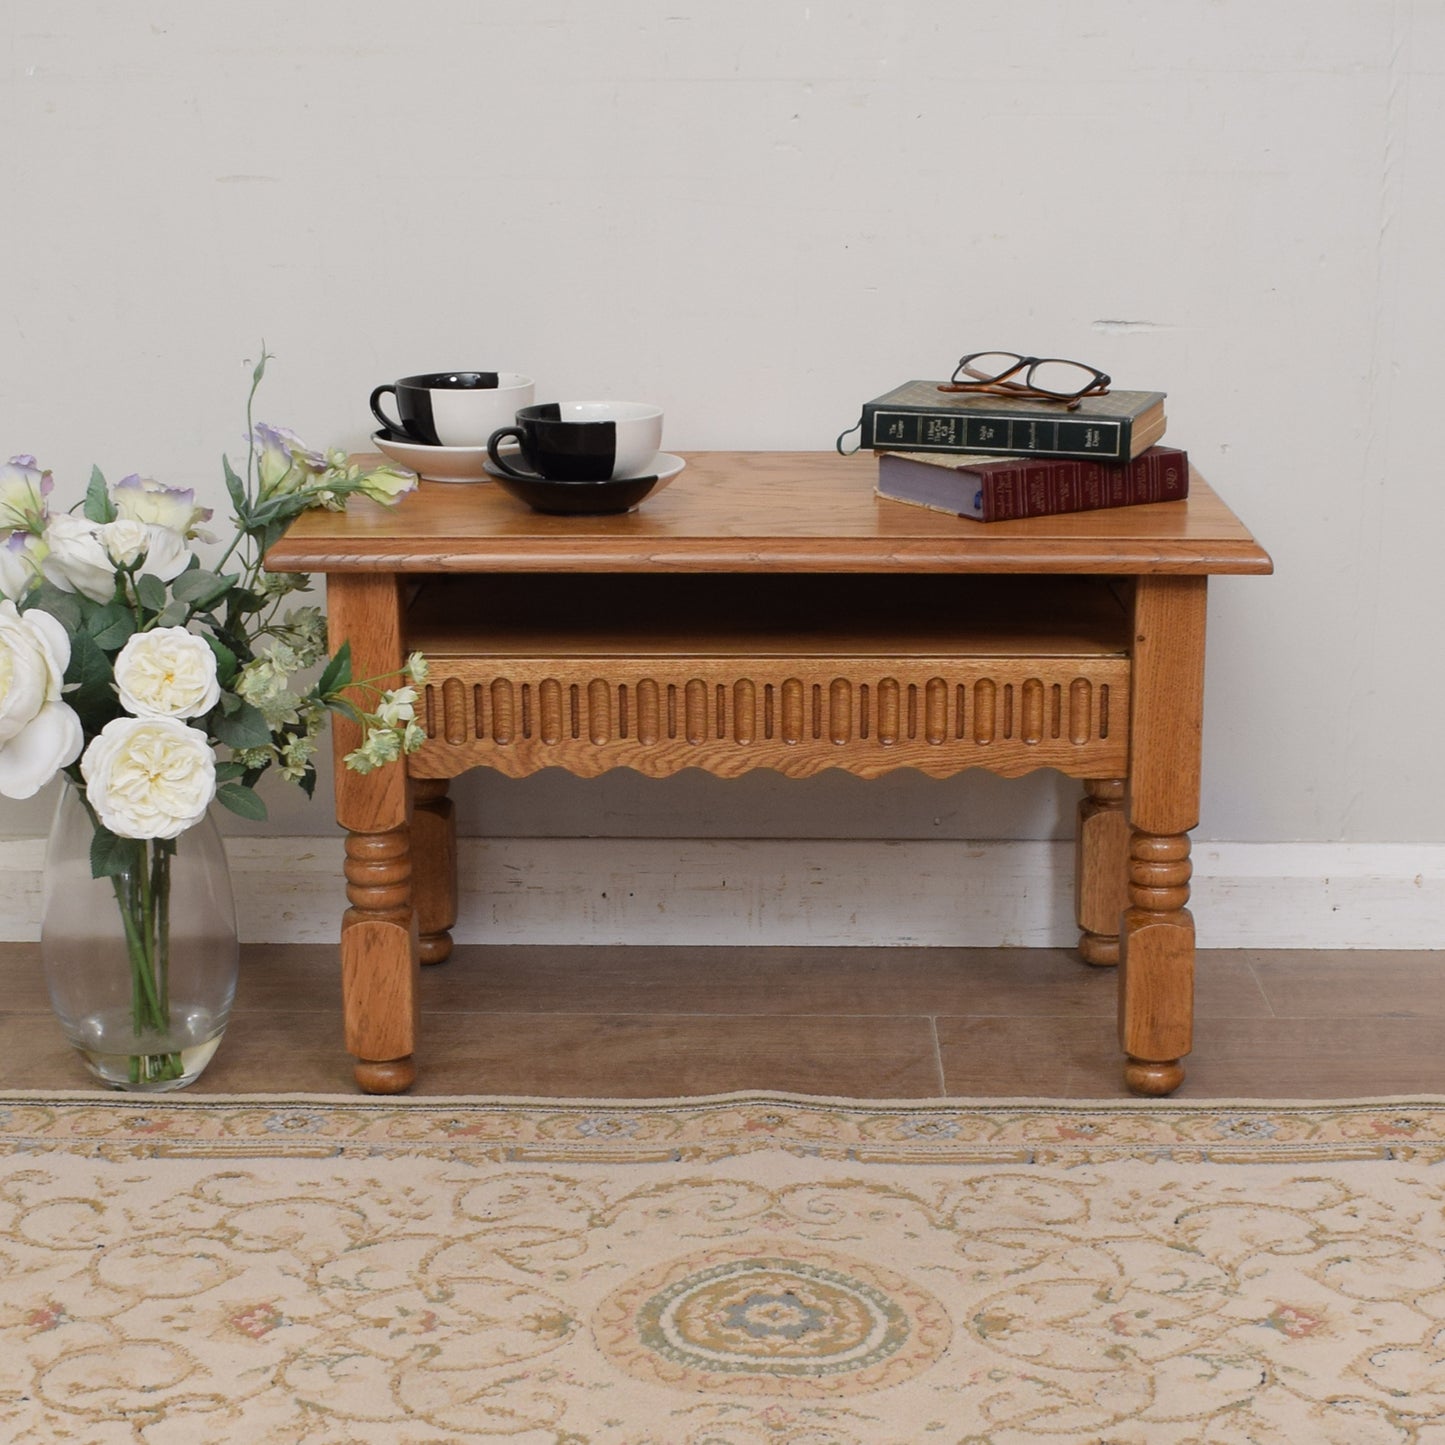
(768, 610)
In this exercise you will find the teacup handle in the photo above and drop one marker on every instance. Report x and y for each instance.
(394, 427)
(494, 443)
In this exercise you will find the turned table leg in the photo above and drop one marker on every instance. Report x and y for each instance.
(1156, 953)
(1156, 1004)
(378, 960)
(378, 932)
(434, 866)
(1101, 858)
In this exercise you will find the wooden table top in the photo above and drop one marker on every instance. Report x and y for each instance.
(761, 512)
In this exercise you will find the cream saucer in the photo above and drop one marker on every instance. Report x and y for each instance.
(433, 464)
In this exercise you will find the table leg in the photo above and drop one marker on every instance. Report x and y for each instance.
(1156, 980)
(378, 960)
(434, 866)
(1101, 862)
(378, 932)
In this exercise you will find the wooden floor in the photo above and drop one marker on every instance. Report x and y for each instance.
(867, 1023)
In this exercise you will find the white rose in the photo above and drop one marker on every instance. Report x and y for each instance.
(78, 561)
(149, 777)
(39, 734)
(167, 672)
(127, 541)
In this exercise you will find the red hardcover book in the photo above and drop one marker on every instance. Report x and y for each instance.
(1002, 489)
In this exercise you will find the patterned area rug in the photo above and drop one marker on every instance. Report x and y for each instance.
(745, 1270)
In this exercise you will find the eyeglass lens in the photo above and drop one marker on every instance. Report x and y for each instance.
(1060, 378)
(988, 366)
(1063, 377)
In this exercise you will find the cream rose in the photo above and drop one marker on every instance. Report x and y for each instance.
(165, 552)
(167, 672)
(39, 734)
(149, 777)
(124, 541)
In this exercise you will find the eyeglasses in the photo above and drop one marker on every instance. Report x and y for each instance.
(1046, 378)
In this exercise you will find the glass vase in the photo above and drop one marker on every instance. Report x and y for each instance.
(141, 962)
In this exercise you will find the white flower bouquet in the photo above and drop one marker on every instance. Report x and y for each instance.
(157, 684)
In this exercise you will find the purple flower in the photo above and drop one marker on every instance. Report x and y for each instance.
(138, 499)
(23, 489)
(20, 556)
(284, 462)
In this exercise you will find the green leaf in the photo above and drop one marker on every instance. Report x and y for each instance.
(150, 592)
(110, 626)
(346, 709)
(337, 674)
(98, 505)
(90, 681)
(242, 801)
(225, 660)
(226, 771)
(174, 614)
(244, 601)
(67, 608)
(112, 856)
(237, 488)
(200, 587)
(273, 533)
(307, 781)
(245, 727)
(281, 508)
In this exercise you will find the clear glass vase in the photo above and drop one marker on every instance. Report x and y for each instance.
(141, 963)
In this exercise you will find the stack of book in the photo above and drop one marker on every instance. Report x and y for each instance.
(997, 458)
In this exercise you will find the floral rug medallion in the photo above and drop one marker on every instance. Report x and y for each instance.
(748, 1319)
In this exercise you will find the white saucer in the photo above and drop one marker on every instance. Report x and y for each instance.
(434, 464)
(664, 466)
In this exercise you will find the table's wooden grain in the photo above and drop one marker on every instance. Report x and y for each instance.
(639, 640)
(761, 511)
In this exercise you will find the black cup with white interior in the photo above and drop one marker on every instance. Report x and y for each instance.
(580, 441)
(452, 408)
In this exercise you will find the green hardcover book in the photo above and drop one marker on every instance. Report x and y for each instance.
(917, 417)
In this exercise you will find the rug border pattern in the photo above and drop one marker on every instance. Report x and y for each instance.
(708, 1128)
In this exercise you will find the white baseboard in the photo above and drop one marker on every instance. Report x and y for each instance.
(824, 893)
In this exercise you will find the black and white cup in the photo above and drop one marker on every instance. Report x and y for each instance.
(582, 441)
(453, 408)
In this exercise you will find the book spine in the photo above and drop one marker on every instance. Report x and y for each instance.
(1046, 490)
(887, 428)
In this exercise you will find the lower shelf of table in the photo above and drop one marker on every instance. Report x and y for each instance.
(796, 673)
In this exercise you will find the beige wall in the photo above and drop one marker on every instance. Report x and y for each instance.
(758, 214)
